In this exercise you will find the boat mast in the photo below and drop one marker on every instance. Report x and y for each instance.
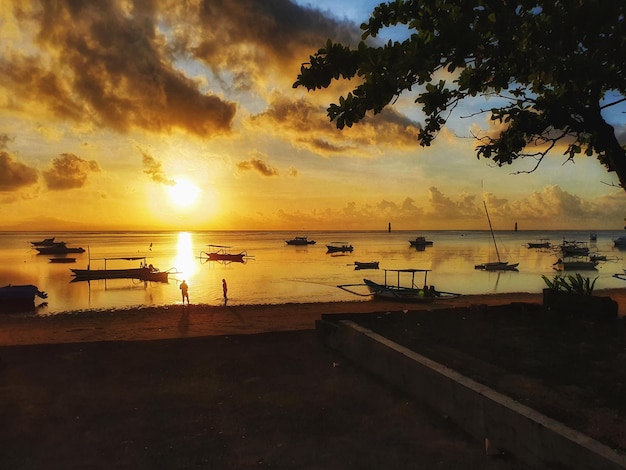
(491, 229)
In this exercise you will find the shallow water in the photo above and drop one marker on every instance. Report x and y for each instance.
(275, 272)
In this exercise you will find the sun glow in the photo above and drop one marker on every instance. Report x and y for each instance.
(184, 193)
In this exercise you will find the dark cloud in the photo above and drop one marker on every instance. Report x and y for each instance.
(4, 141)
(154, 169)
(13, 174)
(69, 171)
(109, 64)
(258, 165)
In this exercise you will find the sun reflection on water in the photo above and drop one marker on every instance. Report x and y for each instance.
(184, 260)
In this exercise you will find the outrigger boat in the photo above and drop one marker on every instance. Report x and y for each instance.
(495, 265)
(396, 291)
(540, 243)
(339, 247)
(366, 264)
(575, 264)
(145, 272)
(221, 253)
(299, 241)
(58, 248)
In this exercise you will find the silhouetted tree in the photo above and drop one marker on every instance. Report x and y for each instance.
(557, 64)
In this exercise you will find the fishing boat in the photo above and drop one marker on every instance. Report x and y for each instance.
(145, 272)
(406, 293)
(495, 265)
(222, 253)
(366, 264)
(575, 264)
(63, 260)
(18, 298)
(420, 242)
(541, 243)
(574, 248)
(299, 241)
(58, 248)
(620, 242)
(44, 242)
(339, 247)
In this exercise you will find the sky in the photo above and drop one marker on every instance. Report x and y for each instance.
(169, 115)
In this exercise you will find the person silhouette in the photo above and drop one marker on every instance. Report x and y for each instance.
(184, 290)
(225, 290)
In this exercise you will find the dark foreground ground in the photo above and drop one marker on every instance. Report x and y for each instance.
(273, 400)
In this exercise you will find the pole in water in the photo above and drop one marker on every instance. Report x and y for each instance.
(516, 226)
(389, 227)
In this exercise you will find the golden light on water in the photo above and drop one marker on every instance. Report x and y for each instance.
(185, 260)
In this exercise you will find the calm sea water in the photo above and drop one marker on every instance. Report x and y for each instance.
(276, 273)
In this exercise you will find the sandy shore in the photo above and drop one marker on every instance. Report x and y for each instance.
(176, 321)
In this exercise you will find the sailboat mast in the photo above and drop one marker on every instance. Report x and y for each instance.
(491, 229)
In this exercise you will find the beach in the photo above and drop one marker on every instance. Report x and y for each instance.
(214, 387)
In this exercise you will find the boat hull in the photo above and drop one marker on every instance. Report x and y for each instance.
(236, 258)
(497, 266)
(366, 265)
(299, 241)
(404, 294)
(339, 249)
(143, 274)
(58, 250)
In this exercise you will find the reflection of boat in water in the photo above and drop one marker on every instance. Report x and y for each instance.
(58, 248)
(299, 241)
(495, 265)
(366, 264)
(145, 272)
(397, 291)
(339, 247)
(44, 242)
(420, 242)
(222, 253)
(19, 298)
(540, 243)
(575, 264)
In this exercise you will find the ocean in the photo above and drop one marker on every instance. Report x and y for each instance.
(277, 273)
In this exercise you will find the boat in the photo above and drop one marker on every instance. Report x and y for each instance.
(299, 241)
(593, 236)
(495, 265)
(410, 293)
(44, 242)
(339, 247)
(574, 248)
(145, 272)
(366, 264)
(63, 260)
(575, 264)
(19, 298)
(222, 253)
(58, 248)
(620, 242)
(540, 243)
(420, 242)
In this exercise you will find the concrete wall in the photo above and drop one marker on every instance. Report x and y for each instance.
(507, 425)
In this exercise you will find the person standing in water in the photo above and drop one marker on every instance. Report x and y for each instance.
(184, 290)
(225, 290)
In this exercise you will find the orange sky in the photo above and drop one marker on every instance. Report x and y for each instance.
(106, 107)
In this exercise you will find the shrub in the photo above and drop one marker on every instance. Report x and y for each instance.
(575, 284)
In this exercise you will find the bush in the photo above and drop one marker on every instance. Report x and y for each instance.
(575, 284)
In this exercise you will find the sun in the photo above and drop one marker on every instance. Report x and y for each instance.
(184, 193)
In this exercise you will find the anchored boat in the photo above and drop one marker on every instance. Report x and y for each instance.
(145, 272)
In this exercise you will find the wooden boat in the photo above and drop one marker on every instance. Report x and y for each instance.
(19, 298)
(420, 241)
(299, 241)
(495, 265)
(540, 243)
(222, 253)
(145, 272)
(44, 242)
(406, 293)
(58, 248)
(620, 242)
(63, 260)
(339, 247)
(574, 248)
(366, 264)
(575, 264)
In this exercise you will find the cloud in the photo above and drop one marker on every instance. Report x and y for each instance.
(13, 174)
(108, 63)
(154, 169)
(4, 141)
(69, 171)
(257, 164)
(306, 125)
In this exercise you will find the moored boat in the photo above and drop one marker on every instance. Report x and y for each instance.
(58, 248)
(540, 243)
(63, 260)
(44, 242)
(222, 253)
(575, 264)
(366, 264)
(145, 272)
(339, 247)
(620, 242)
(299, 241)
(20, 297)
(495, 265)
(420, 242)
(406, 293)
(574, 248)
